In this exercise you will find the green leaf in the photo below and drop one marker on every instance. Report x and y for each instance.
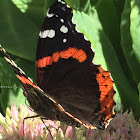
(73, 3)
(126, 41)
(135, 27)
(119, 4)
(108, 17)
(10, 85)
(19, 32)
(139, 90)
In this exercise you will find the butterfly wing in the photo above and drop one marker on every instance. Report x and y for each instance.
(76, 90)
(65, 70)
(43, 104)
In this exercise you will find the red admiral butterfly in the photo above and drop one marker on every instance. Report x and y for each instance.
(71, 88)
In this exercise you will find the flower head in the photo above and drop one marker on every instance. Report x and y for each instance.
(13, 127)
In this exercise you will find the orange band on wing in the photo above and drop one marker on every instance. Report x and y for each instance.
(55, 56)
(68, 53)
(75, 53)
(45, 61)
(80, 55)
(107, 92)
(25, 80)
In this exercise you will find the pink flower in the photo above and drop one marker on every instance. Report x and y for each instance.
(13, 126)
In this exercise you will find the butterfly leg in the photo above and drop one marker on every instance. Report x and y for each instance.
(46, 127)
(35, 116)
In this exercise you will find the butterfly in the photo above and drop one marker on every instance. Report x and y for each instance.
(70, 87)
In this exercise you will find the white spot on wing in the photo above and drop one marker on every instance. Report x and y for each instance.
(51, 34)
(47, 33)
(61, 1)
(44, 34)
(64, 29)
(62, 20)
(50, 15)
(68, 6)
(64, 40)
